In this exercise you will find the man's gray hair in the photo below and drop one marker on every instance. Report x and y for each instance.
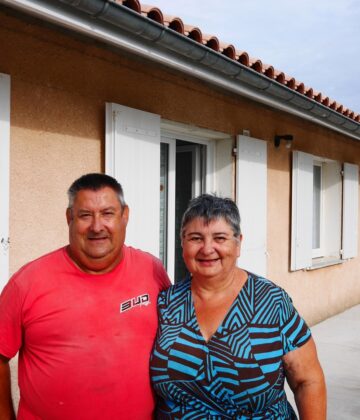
(210, 207)
(95, 182)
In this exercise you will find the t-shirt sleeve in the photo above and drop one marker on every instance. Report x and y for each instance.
(10, 320)
(293, 329)
(161, 274)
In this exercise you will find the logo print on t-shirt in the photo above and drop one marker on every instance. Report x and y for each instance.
(141, 300)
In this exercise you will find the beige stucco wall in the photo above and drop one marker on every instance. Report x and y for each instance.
(59, 87)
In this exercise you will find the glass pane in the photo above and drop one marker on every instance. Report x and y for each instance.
(316, 207)
(183, 194)
(164, 172)
(190, 182)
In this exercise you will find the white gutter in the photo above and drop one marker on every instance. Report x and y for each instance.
(143, 37)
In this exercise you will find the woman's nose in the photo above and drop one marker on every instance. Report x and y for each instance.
(208, 246)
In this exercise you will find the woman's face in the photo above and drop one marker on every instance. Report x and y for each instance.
(210, 250)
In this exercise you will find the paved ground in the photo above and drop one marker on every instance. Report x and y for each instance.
(338, 344)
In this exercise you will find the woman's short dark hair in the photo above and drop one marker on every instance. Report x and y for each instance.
(95, 182)
(210, 207)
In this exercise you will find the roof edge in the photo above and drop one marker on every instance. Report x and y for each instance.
(124, 28)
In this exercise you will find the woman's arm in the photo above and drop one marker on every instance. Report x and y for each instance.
(306, 379)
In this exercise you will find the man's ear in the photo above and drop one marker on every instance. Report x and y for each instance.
(125, 214)
(68, 215)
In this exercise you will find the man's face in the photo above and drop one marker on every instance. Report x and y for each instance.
(97, 226)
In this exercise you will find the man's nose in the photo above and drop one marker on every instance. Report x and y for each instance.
(96, 224)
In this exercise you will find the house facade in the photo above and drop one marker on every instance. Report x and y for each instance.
(119, 88)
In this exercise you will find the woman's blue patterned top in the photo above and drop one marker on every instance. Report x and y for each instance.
(238, 373)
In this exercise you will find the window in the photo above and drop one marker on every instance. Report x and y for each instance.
(324, 211)
(317, 213)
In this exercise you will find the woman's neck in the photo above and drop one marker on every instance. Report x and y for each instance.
(205, 287)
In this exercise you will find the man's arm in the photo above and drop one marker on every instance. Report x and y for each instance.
(306, 379)
(6, 406)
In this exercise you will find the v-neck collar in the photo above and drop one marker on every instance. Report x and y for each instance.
(229, 311)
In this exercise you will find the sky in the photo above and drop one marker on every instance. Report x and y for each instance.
(315, 41)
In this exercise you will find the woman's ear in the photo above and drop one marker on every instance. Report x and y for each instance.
(239, 238)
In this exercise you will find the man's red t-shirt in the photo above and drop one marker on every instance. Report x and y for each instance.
(84, 339)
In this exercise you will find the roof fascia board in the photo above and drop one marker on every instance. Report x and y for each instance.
(123, 28)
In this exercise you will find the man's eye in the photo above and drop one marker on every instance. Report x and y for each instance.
(84, 216)
(108, 213)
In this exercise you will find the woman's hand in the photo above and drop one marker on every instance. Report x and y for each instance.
(306, 379)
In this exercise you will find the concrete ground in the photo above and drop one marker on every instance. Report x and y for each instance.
(338, 343)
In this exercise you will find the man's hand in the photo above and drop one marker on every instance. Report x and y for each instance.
(6, 406)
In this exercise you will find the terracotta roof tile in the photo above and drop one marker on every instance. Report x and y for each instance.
(269, 71)
(244, 58)
(211, 41)
(300, 87)
(131, 4)
(193, 33)
(256, 65)
(279, 76)
(153, 13)
(309, 92)
(228, 50)
(326, 101)
(333, 105)
(290, 82)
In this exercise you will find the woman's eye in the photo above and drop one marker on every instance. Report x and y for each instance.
(220, 239)
(195, 239)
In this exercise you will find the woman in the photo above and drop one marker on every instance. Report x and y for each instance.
(228, 338)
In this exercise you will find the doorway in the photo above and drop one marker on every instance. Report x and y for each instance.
(182, 177)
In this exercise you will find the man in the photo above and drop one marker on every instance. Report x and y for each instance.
(83, 318)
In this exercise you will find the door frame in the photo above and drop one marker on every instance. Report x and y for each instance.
(4, 177)
(170, 139)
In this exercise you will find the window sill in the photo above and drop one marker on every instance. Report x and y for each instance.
(324, 262)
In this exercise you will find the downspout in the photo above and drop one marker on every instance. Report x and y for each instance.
(123, 28)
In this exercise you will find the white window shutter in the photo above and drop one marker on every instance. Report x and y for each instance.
(251, 198)
(133, 158)
(350, 210)
(332, 214)
(302, 208)
(4, 177)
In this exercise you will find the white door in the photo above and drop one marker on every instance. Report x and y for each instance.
(4, 177)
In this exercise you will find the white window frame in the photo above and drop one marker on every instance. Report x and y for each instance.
(4, 177)
(339, 210)
(170, 255)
